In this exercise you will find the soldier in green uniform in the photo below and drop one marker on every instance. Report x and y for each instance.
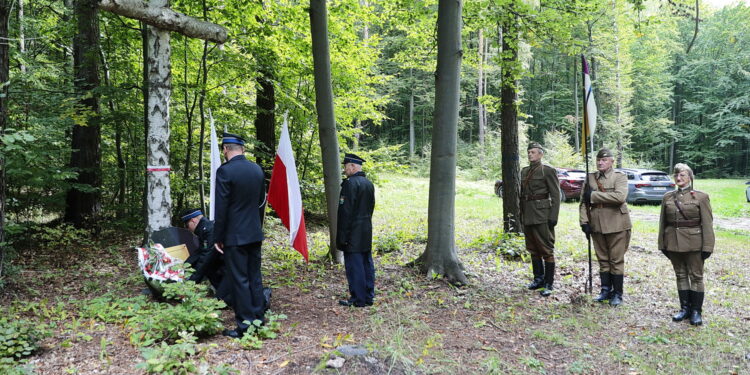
(686, 237)
(605, 218)
(540, 205)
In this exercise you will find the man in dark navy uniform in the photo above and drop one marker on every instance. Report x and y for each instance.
(240, 194)
(354, 232)
(206, 261)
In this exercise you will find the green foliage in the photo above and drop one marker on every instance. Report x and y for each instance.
(19, 337)
(63, 238)
(257, 332)
(177, 359)
(8, 366)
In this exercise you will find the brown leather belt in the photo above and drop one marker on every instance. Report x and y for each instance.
(687, 223)
(535, 197)
(602, 205)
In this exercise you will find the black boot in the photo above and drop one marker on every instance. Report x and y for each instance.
(606, 281)
(696, 304)
(549, 278)
(684, 312)
(538, 268)
(616, 299)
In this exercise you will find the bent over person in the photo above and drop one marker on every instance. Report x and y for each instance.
(540, 206)
(207, 262)
(354, 232)
(686, 237)
(605, 218)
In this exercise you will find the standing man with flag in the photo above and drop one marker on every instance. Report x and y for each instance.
(587, 142)
(354, 232)
(240, 195)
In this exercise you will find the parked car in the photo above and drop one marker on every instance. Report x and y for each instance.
(747, 191)
(646, 185)
(571, 181)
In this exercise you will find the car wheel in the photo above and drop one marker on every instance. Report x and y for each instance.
(499, 188)
(562, 195)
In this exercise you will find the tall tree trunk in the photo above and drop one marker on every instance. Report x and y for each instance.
(480, 92)
(411, 116)
(329, 142)
(144, 91)
(82, 204)
(618, 89)
(576, 92)
(120, 193)
(160, 86)
(5, 6)
(440, 256)
(181, 201)
(265, 118)
(509, 143)
(202, 110)
(21, 36)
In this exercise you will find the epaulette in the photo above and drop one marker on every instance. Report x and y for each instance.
(621, 172)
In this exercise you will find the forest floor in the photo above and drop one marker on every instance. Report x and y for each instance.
(419, 325)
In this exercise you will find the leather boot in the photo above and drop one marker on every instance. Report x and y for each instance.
(606, 281)
(684, 312)
(617, 281)
(696, 304)
(549, 278)
(538, 268)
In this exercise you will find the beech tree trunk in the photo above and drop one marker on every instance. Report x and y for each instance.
(265, 119)
(329, 142)
(480, 93)
(159, 200)
(509, 143)
(82, 202)
(157, 14)
(440, 255)
(5, 6)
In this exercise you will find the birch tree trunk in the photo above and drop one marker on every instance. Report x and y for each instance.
(159, 200)
(480, 92)
(440, 256)
(509, 143)
(329, 143)
(83, 203)
(21, 36)
(5, 6)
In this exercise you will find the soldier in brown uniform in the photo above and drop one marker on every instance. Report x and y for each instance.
(686, 237)
(540, 205)
(605, 218)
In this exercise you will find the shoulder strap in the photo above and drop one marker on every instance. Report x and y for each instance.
(528, 176)
(679, 206)
(598, 184)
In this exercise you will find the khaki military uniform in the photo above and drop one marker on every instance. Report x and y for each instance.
(540, 204)
(684, 235)
(609, 219)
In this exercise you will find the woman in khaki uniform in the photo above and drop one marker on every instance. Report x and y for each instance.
(686, 237)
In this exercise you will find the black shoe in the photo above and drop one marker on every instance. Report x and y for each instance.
(349, 302)
(696, 302)
(537, 266)
(266, 299)
(233, 333)
(617, 286)
(549, 278)
(606, 281)
(684, 312)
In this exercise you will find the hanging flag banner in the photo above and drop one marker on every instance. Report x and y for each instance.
(215, 164)
(589, 110)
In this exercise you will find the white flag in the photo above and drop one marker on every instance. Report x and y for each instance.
(215, 163)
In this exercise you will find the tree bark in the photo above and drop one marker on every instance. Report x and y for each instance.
(440, 256)
(509, 143)
(411, 122)
(82, 202)
(480, 92)
(160, 86)
(329, 142)
(5, 6)
(265, 118)
(21, 36)
(165, 19)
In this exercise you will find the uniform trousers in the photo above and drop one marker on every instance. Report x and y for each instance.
(360, 273)
(610, 251)
(246, 282)
(688, 270)
(540, 241)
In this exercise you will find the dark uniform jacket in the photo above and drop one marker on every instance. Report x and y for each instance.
(609, 210)
(205, 258)
(692, 232)
(240, 192)
(540, 194)
(356, 203)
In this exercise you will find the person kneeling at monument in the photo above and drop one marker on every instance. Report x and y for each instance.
(207, 262)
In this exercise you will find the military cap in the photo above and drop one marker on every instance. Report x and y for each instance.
(604, 153)
(229, 138)
(189, 214)
(352, 158)
(534, 145)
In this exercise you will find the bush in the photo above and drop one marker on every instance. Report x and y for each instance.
(257, 332)
(177, 359)
(19, 337)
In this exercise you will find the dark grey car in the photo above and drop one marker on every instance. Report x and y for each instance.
(646, 185)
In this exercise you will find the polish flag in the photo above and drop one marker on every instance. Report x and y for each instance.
(284, 193)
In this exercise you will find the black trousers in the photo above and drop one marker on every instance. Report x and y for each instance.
(246, 283)
(360, 273)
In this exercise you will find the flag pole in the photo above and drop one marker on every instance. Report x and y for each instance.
(587, 143)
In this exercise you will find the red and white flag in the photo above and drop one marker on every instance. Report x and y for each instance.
(284, 193)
